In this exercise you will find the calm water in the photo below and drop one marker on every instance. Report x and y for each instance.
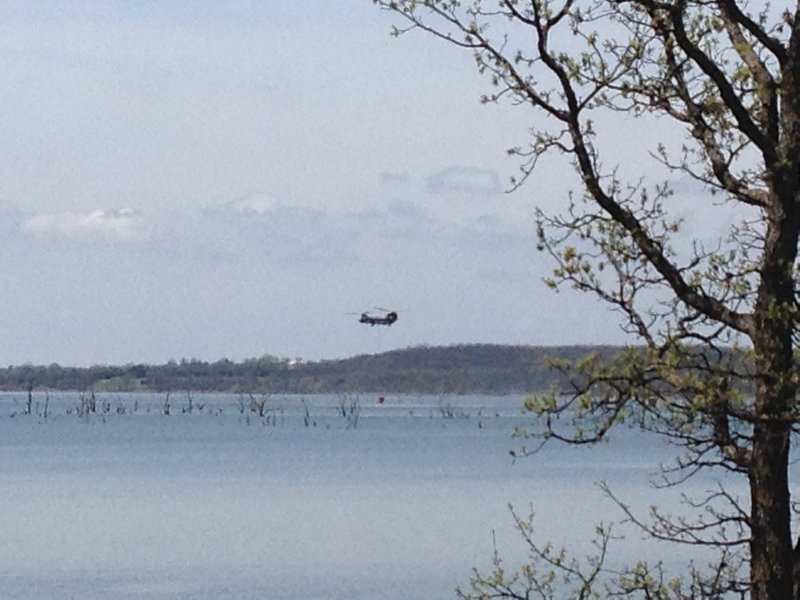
(395, 500)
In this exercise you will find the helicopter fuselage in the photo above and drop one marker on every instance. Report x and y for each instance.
(371, 320)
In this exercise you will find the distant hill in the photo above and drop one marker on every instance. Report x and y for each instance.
(463, 369)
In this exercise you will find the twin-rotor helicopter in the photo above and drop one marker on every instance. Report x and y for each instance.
(370, 318)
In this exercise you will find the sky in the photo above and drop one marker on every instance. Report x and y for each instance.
(206, 179)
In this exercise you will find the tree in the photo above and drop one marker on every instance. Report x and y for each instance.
(716, 320)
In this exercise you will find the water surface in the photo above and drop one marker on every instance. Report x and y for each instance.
(319, 497)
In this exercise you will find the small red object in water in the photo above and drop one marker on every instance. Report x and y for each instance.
(380, 399)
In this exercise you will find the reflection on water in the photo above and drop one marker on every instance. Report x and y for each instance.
(319, 497)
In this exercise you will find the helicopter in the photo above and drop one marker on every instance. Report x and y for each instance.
(372, 320)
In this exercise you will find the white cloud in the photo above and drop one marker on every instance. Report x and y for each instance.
(112, 225)
(259, 204)
(464, 180)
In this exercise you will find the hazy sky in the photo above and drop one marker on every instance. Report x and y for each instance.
(230, 179)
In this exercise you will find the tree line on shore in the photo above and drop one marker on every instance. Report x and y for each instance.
(462, 369)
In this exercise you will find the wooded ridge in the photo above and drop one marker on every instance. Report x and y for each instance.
(462, 369)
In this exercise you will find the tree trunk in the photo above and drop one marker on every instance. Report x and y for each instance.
(771, 569)
(771, 551)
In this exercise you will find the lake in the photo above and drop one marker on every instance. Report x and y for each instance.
(318, 497)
